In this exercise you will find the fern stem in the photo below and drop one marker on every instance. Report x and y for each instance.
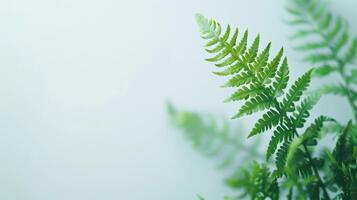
(321, 183)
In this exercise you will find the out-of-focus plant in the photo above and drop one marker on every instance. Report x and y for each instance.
(327, 45)
(214, 137)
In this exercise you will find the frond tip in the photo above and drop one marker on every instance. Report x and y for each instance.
(203, 23)
(258, 79)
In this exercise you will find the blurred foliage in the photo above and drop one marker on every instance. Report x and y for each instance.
(214, 137)
(327, 45)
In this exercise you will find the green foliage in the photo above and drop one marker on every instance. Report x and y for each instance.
(213, 137)
(256, 182)
(333, 53)
(270, 77)
(335, 50)
(260, 84)
(343, 163)
(302, 168)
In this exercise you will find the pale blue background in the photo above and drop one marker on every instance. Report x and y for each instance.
(82, 91)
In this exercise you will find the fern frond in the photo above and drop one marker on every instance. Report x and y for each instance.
(206, 137)
(259, 84)
(254, 74)
(332, 31)
(335, 49)
(251, 71)
(212, 137)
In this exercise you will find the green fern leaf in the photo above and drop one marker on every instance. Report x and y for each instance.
(245, 92)
(253, 50)
(282, 79)
(262, 59)
(219, 56)
(282, 132)
(255, 104)
(268, 120)
(302, 111)
(296, 92)
(241, 79)
(228, 61)
(233, 69)
(281, 157)
(269, 71)
(242, 46)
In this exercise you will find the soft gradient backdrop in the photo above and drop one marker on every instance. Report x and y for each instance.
(82, 91)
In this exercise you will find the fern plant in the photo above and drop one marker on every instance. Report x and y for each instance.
(261, 83)
(326, 41)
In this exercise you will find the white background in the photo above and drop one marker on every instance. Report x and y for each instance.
(82, 91)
